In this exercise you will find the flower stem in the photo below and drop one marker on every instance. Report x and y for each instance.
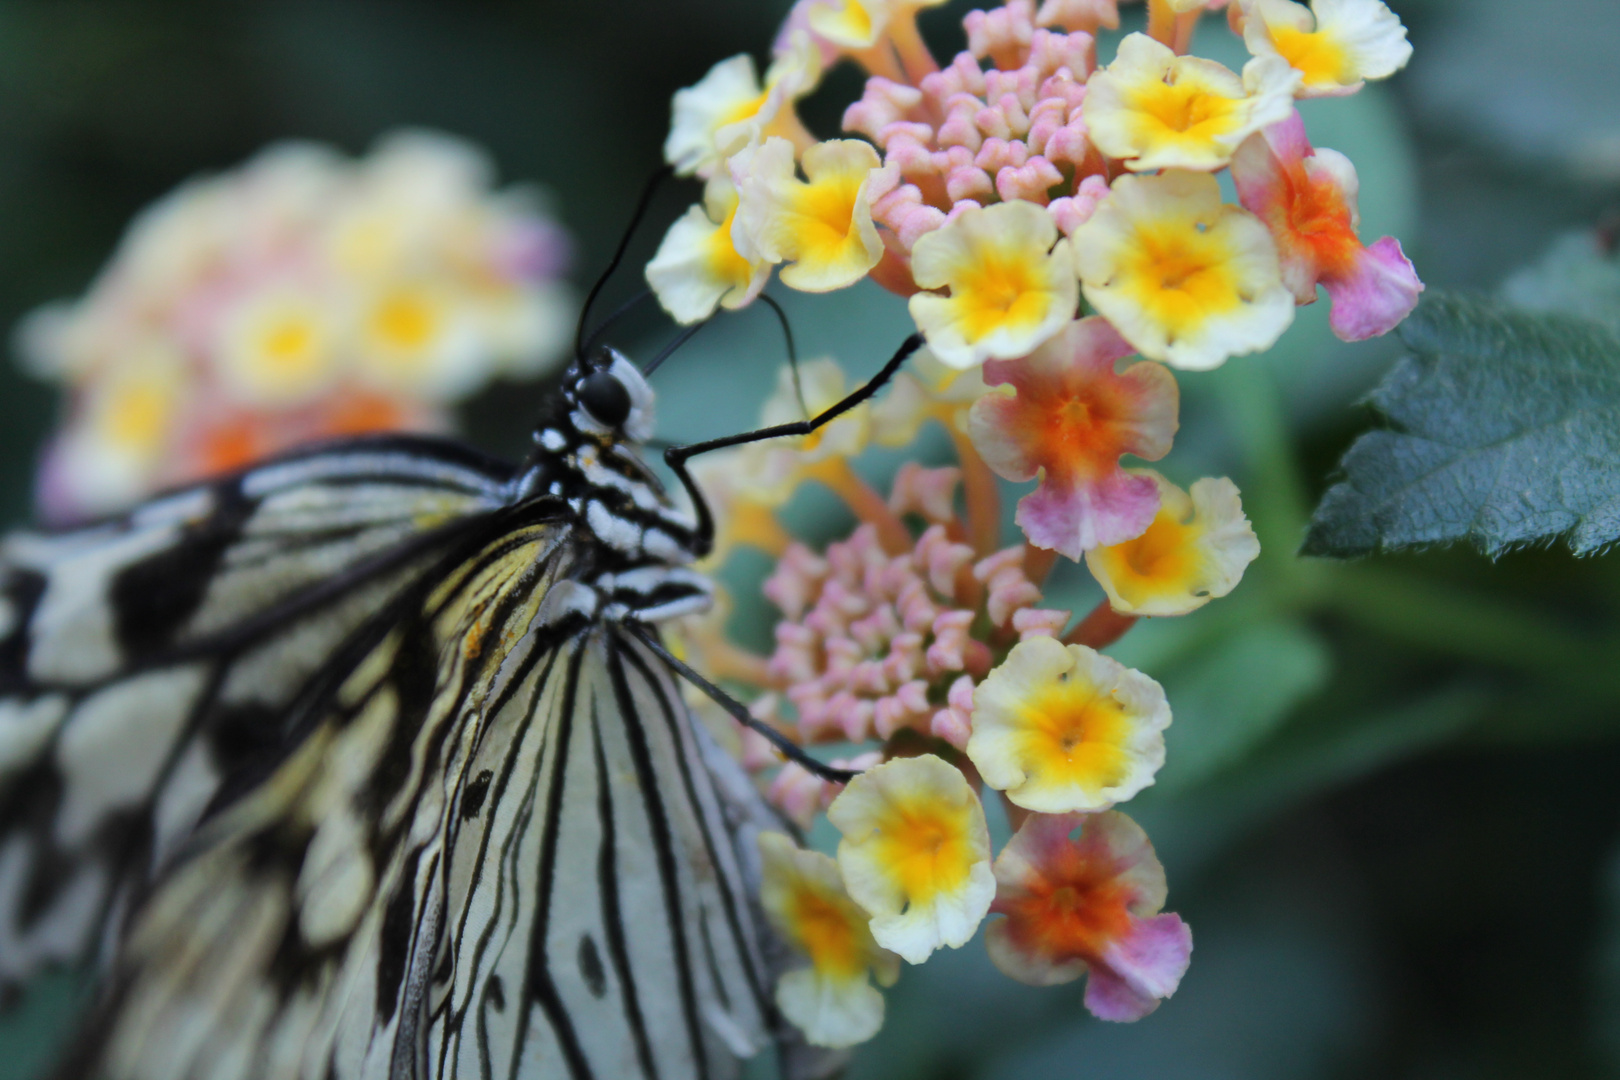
(908, 45)
(979, 489)
(1101, 628)
(1038, 563)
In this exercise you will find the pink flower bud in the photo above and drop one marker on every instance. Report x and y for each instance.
(882, 103)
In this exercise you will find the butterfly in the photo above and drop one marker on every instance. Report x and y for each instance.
(370, 762)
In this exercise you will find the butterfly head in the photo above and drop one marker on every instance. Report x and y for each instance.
(608, 400)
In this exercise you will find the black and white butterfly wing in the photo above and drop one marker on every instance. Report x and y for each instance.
(525, 871)
(147, 662)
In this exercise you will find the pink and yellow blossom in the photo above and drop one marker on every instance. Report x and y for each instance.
(1195, 550)
(1061, 728)
(1088, 904)
(915, 854)
(832, 1000)
(698, 268)
(1335, 45)
(1156, 110)
(1011, 284)
(1307, 198)
(278, 348)
(821, 226)
(1183, 277)
(1069, 420)
(302, 296)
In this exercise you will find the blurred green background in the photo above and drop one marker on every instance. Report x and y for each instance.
(1392, 805)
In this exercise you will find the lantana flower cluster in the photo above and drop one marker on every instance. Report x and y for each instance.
(1054, 220)
(922, 650)
(998, 189)
(301, 296)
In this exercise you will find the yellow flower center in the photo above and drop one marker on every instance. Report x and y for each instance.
(926, 851)
(1076, 735)
(138, 417)
(1182, 273)
(290, 350)
(1186, 110)
(405, 321)
(1163, 561)
(1315, 55)
(999, 291)
(826, 935)
(827, 211)
(738, 113)
(724, 262)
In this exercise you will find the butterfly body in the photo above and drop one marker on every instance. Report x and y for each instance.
(358, 765)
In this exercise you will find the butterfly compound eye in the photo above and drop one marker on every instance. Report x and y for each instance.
(605, 398)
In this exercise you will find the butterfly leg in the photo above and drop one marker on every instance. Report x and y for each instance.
(739, 712)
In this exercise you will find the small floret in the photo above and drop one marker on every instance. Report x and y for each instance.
(1069, 421)
(1183, 277)
(1061, 728)
(1088, 903)
(1158, 110)
(821, 226)
(1307, 198)
(832, 1000)
(1011, 280)
(698, 268)
(915, 854)
(1335, 45)
(1195, 550)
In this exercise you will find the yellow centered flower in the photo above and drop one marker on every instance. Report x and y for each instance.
(1184, 278)
(277, 349)
(728, 108)
(1335, 45)
(1061, 728)
(405, 320)
(1196, 549)
(1011, 282)
(139, 408)
(1158, 110)
(418, 337)
(915, 854)
(698, 267)
(821, 226)
(832, 1000)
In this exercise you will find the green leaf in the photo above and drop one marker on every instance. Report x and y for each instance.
(1504, 431)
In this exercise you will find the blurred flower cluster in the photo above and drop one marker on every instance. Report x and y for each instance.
(1056, 225)
(302, 296)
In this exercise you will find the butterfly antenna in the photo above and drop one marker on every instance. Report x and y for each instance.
(642, 205)
(739, 712)
(607, 324)
(792, 351)
(680, 339)
(677, 456)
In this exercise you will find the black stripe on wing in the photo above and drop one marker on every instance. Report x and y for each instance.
(300, 511)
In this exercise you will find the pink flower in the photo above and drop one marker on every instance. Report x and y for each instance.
(1307, 198)
(1068, 422)
(1088, 904)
